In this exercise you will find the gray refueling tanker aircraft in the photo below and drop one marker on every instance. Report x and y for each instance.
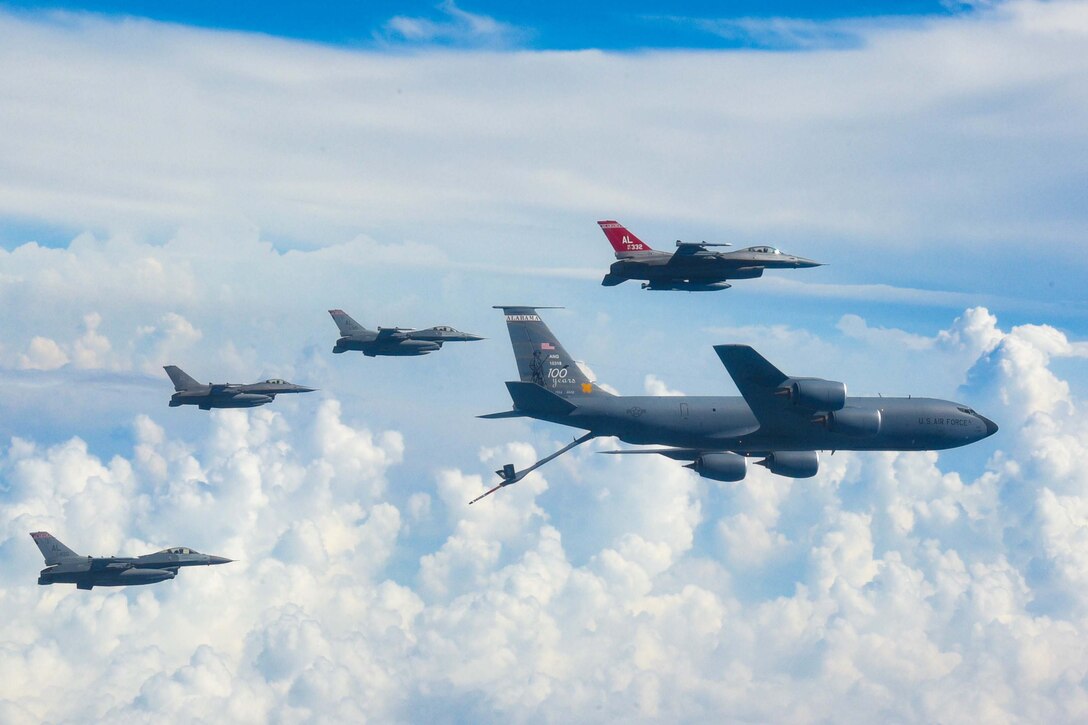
(393, 341)
(780, 419)
(226, 395)
(64, 566)
(693, 267)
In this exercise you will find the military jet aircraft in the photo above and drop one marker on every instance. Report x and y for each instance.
(393, 341)
(64, 566)
(780, 419)
(226, 395)
(693, 267)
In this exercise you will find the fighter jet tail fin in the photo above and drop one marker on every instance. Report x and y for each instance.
(181, 379)
(542, 359)
(624, 242)
(53, 551)
(345, 323)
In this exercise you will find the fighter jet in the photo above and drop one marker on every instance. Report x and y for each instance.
(693, 267)
(780, 419)
(64, 566)
(226, 395)
(393, 341)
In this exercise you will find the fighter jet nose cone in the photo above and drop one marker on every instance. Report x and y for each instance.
(991, 427)
(218, 560)
(303, 389)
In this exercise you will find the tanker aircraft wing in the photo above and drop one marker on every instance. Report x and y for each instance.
(762, 385)
(782, 404)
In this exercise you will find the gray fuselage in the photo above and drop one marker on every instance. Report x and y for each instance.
(116, 571)
(728, 424)
(233, 395)
(703, 266)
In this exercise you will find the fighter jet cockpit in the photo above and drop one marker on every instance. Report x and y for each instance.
(443, 328)
(178, 550)
(764, 250)
(276, 381)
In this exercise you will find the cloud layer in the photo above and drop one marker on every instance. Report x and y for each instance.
(885, 588)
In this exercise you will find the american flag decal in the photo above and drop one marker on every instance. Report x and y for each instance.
(547, 346)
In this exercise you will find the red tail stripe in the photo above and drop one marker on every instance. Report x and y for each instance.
(621, 239)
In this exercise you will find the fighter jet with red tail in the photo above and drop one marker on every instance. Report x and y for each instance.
(693, 267)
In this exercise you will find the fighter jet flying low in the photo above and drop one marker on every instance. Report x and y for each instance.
(693, 267)
(64, 566)
(781, 420)
(226, 395)
(393, 341)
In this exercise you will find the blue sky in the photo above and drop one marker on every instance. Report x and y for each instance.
(546, 26)
(197, 184)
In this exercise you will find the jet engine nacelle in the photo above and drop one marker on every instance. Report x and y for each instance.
(857, 422)
(728, 467)
(793, 464)
(815, 393)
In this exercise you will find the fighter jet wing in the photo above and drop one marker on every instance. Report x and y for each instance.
(388, 333)
(223, 388)
(758, 382)
(690, 249)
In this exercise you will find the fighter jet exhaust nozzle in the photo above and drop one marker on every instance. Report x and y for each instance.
(857, 422)
(792, 464)
(815, 393)
(727, 467)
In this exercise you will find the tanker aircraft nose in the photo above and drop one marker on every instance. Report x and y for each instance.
(991, 427)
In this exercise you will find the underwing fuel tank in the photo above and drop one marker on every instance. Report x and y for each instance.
(249, 400)
(686, 286)
(144, 576)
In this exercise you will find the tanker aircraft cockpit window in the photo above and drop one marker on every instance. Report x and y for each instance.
(969, 411)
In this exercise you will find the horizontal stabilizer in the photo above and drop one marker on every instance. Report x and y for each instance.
(677, 454)
(611, 280)
(503, 414)
(531, 398)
